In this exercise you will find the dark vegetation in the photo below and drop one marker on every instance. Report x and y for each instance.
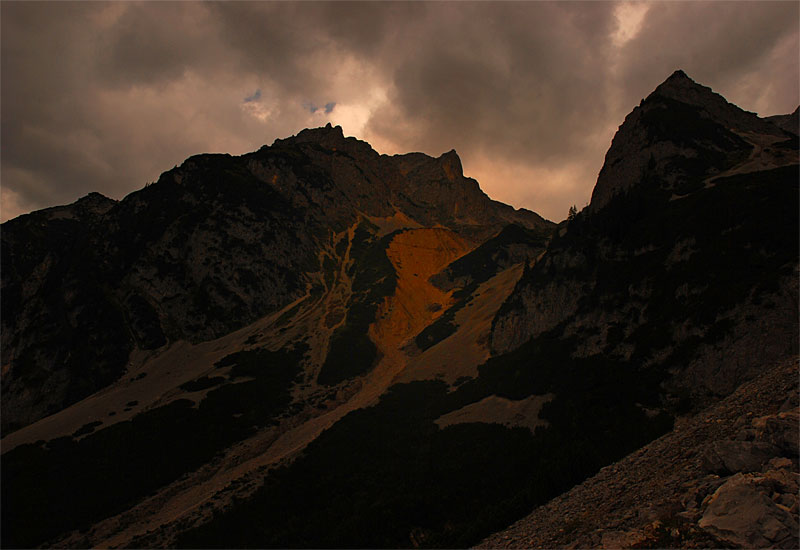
(445, 325)
(329, 267)
(144, 323)
(86, 428)
(52, 487)
(202, 383)
(727, 243)
(351, 353)
(512, 245)
(388, 477)
(80, 325)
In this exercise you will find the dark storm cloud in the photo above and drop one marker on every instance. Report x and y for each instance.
(105, 96)
(723, 45)
(514, 81)
(152, 44)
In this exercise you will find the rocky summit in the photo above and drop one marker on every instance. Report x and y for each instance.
(316, 345)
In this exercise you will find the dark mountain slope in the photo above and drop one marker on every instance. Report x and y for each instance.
(790, 123)
(169, 262)
(211, 246)
(679, 282)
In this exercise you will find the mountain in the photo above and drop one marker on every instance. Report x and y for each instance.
(314, 345)
(683, 132)
(210, 247)
(686, 257)
(790, 123)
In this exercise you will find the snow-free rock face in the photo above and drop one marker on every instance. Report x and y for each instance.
(349, 176)
(742, 514)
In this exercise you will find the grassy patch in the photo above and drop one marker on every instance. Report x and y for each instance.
(512, 245)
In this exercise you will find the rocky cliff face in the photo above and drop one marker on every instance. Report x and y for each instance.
(211, 246)
(691, 185)
(683, 133)
(428, 190)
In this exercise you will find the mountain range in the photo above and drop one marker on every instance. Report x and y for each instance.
(315, 345)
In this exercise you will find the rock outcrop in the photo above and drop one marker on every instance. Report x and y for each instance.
(790, 123)
(428, 190)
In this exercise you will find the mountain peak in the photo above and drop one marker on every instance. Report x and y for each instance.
(679, 120)
(451, 163)
(681, 87)
(95, 203)
(330, 138)
(322, 134)
(95, 197)
(680, 76)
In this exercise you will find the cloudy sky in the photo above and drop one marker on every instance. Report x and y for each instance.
(106, 96)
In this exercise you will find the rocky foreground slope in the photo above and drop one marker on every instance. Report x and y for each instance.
(724, 478)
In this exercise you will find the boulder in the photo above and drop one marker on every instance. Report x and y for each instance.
(782, 481)
(782, 431)
(728, 457)
(742, 515)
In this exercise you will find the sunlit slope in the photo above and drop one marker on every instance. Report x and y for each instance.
(416, 255)
(458, 355)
